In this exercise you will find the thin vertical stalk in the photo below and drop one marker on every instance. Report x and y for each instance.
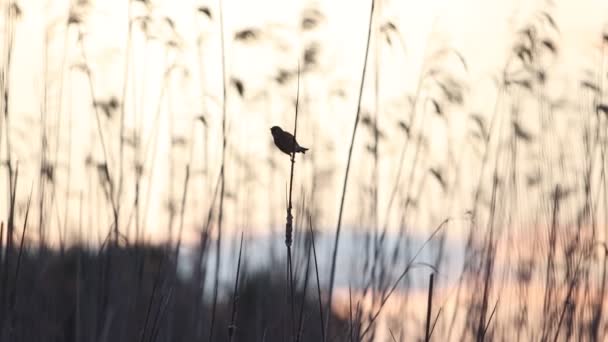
(8, 251)
(376, 137)
(106, 166)
(429, 309)
(289, 221)
(13, 295)
(9, 29)
(346, 173)
(125, 84)
(314, 254)
(235, 297)
(182, 211)
(304, 292)
(222, 175)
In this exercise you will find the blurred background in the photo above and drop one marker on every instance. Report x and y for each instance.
(464, 139)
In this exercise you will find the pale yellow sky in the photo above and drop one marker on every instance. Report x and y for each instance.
(482, 31)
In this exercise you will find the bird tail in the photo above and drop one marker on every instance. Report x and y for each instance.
(303, 150)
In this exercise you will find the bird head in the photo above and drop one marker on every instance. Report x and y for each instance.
(275, 130)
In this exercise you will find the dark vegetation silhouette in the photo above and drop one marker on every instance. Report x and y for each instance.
(137, 293)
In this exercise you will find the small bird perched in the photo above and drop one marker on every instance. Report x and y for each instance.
(285, 141)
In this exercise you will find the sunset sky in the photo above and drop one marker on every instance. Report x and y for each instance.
(479, 155)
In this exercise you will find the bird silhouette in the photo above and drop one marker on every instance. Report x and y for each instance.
(285, 141)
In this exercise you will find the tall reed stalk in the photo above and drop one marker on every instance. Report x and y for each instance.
(334, 257)
(218, 241)
(289, 219)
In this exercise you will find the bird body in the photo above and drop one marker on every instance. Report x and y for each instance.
(285, 141)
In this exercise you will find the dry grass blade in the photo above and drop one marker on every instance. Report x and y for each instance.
(435, 322)
(485, 330)
(392, 335)
(401, 276)
(314, 253)
(235, 296)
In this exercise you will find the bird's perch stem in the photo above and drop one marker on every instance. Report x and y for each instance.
(289, 222)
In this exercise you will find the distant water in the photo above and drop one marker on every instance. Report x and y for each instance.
(268, 251)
